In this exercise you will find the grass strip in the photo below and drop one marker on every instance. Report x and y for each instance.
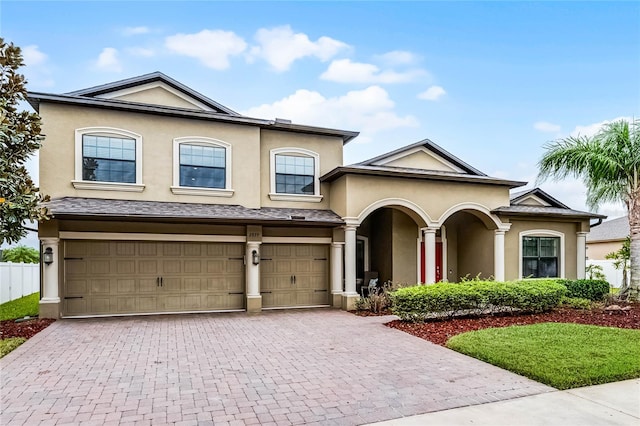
(564, 356)
(19, 308)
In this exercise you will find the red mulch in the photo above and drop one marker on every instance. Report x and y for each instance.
(439, 331)
(26, 329)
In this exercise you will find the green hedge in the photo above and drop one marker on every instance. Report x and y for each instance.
(447, 299)
(586, 289)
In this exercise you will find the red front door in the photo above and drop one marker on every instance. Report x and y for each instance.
(423, 274)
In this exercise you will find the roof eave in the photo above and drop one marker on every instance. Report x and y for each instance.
(580, 215)
(341, 171)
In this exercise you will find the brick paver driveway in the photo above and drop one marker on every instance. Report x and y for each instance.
(279, 367)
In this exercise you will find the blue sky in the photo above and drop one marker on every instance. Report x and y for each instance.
(489, 81)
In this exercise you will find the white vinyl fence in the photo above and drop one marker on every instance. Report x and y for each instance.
(18, 279)
(614, 276)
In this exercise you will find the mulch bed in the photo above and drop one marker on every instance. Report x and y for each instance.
(26, 329)
(439, 331)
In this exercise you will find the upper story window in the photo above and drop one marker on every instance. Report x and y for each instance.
(294, 175)
(202, 166)
(108, 159)
(542, 254)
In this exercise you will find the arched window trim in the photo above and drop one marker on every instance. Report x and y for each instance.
(541, 233)
(316, 197)
(79, 183)
(227, 191)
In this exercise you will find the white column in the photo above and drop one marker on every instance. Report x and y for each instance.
(50, 272)
(253, 271)
(430, 254)
(419, 262)
(350, 260)
(336, 268)
(498, 255)
(581, 253)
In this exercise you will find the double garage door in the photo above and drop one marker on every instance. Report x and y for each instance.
(129, 277)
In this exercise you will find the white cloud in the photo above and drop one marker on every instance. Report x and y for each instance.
(108, 60)
(345, 71)
(33, 56)
(545, 126)
(37, 69)
(433, 93)
(592, 129)
(369, 111)
(129, 31)
(213, 48)
(281, 47)
(397, 57)
(141, 51)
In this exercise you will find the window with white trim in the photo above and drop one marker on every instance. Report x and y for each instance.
(201, 166)
(540, 257)
(108, 159)
(295, 175)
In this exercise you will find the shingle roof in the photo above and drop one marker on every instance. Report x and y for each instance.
(405, 172)
(87, 207)
(611, 230)
(544, 211)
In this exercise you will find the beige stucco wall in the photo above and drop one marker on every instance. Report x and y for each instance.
(329, 150)
(599, 251)
(421, 160)
(512, 244)
(381, 244)
(157, 96)
(433, 197)
(250, 155)
(404, 248)
(475, 248)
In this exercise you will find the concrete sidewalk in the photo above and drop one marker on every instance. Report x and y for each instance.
(610, 404)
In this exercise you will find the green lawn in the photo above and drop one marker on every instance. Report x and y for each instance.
(564, 356)
(25, 306)
(7, 345)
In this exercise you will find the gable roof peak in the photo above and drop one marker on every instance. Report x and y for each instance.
(152, 77)
(429, 145)
(519, 196)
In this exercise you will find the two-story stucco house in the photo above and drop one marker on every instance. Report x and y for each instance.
(166, 201)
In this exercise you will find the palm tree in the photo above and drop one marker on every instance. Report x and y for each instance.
(609, 164)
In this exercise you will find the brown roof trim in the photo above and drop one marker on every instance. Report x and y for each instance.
(519, 196)
(35, 98)
(556, 212)
(416, 174)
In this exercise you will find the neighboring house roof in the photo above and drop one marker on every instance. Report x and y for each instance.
(95, 97)
(157, 76)
(611, 230)
(410, 173)
(428, 145)
(536, 202)
(134, 209)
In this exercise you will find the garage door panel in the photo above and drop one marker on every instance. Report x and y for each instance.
(295, 275)
(124, 277)
(125, 266)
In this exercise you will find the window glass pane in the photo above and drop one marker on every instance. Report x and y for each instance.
(294, 174)
(549, 246)
(202, 177)
(108, 159)
(548, 267)
(202, 166)
(530, 268)
(530, 246)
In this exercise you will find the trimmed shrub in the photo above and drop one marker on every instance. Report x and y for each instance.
(594, 290)
(576, 302)
(419, 303)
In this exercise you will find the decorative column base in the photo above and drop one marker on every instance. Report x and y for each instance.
(49, 308)
(254, 304)
(349, 301)
(336, 300)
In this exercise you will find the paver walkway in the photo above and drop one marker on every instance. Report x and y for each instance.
(279, 367)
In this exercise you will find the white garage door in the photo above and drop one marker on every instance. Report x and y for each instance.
(128, 277)
(294, 275)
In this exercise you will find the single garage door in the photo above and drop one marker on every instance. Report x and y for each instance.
(294, 275)
(128, 277)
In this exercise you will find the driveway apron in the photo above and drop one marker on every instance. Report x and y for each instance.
(279, 367)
